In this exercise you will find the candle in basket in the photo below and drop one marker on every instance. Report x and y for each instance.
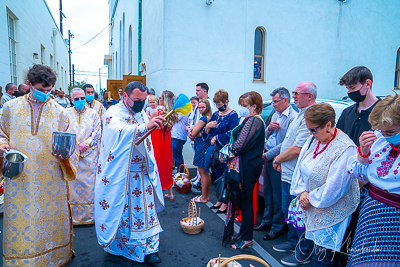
(109, 96)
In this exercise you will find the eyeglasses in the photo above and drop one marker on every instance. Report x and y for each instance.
(297, 93)
(276, 101)
(313, 130)
(79, 98)
(391, 133)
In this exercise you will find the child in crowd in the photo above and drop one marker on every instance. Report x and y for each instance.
(153, 105)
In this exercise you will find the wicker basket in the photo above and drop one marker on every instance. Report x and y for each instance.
(220, 260)
(240, 257)
(192, 229)
(187, 186)
(224, 261)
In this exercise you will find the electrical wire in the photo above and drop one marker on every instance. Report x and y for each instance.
(92, 37)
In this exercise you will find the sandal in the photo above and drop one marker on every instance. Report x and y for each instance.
(242, 245)
(198, 199)
(170, 197)
(236, 238)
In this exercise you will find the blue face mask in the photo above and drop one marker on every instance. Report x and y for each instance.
(80, 104)
(395, 140)
(40, 96)
(244, 112)
(89, 98)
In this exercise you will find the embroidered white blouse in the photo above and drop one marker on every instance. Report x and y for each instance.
(382, 170)
(335, 187)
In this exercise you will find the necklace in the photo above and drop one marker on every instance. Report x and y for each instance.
(319, 142)
(394, 147)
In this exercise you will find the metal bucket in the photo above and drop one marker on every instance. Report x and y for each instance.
(13, 164)
(63, 144)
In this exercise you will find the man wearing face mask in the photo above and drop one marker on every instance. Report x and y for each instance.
(90, 101)
(62, 100)
(85, 123)
(353, 122)
(354, 119)
(36, 211)
(128, 191)
(11, 90)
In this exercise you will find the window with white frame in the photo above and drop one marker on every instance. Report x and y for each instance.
(12, 47)
(259, 43)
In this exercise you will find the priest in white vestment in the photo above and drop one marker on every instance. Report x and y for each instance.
(85, 123)
(128, 191)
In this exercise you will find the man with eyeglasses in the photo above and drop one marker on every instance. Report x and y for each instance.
(128, 191)
(91, 102)
(274, 135)
(36, 220)
(354, 121)
(85, 123)
(297, 134)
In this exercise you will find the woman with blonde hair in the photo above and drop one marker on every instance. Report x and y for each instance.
(162, 142)
(377, 237)
(200, 146)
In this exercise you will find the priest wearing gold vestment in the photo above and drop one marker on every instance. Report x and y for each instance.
(85, 123)
(91, 103)
(37, 221)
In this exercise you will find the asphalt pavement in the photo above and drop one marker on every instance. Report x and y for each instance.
(176, 247)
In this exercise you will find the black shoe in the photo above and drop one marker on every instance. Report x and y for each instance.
(261, 227)
(152, 258)
(216, 207)
(272, 235)
(221, 211)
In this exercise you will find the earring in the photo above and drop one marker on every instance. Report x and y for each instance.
(327, 131)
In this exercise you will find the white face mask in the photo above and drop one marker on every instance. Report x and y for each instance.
(244, 112)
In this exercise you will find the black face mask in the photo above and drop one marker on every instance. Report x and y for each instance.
(223, 108)
(356, 96)
(16, 93)
(137, 106)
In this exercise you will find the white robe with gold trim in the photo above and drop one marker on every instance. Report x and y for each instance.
(128, 191)
(86, 126)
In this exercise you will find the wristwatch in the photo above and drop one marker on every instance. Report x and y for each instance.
(275, 161)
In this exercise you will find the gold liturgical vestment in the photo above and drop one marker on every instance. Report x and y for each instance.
(37, 221)
(98, 107)
(86, 126)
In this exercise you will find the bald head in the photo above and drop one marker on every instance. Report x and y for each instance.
(305, 94)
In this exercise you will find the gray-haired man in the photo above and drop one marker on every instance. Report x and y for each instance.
(275, 134)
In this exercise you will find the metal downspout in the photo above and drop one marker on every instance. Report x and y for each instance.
(140, 36)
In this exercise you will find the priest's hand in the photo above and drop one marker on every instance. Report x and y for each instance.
(157, 121)
(4, 148)
(83, 147)
(304, 200)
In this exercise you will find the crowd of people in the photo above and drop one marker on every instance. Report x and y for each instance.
(332, 183)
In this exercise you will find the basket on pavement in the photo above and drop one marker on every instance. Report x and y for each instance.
(182, 181)
(193, 224)
(224, 262)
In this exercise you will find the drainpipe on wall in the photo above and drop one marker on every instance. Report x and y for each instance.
(140, 36)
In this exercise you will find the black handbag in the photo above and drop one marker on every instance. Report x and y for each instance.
(221, 188)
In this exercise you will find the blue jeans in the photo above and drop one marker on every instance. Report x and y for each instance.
(177, 147)
(286, 199)
(304, 247)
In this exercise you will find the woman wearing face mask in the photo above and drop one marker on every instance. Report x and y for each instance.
(245, 166)
(377, 237)
(162, 142)
(217, 134)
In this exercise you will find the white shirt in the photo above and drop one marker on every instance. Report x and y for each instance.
(381, 171)
(271, 142)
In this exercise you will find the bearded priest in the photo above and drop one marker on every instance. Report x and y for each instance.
(85, 123)
(37, 223)
(128, 191)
